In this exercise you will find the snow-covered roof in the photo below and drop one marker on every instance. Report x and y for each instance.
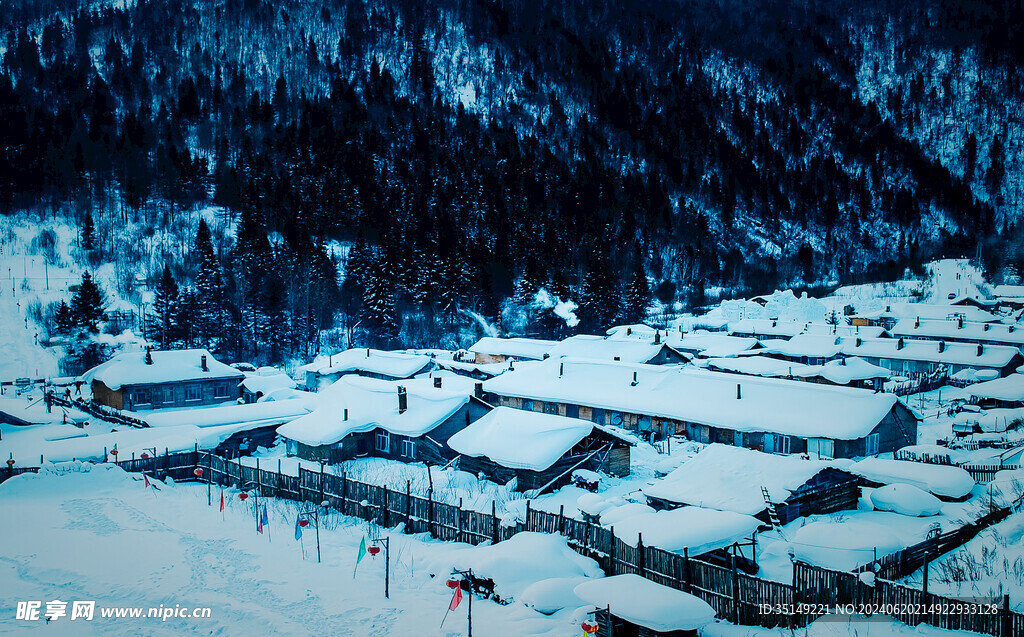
(1009, 388)
(767, 327)
(697, 529)
(966, 330)
(271, 412)
(712, 344)
(645, 603)
(703, 397)
(931, 311)
(758, 366)
(372, 403)
(373, 361)
(813, 345)
(1008, 291)
(920, 350)
(520, 439)
(266, 382)
(487, 369)
(843, 371)
(610, 349)
(530, 348)
(991, 420)
(170, 366)
(942, 480)
(637, 331)
(730, 479)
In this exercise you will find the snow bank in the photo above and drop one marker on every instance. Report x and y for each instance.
(520, 439)
(905, 500)
(618, 512)
(645, 603)
(843, 546)
(942, 480)
(552, 595)
(524, 559)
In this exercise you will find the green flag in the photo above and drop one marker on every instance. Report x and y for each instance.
(360, 555)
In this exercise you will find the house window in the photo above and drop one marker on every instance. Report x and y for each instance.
(572, 411)
(143, 397)
(871, 445)
(550, 408)
(409, 448)
(382, 442)
(168, 395)
(193, 392)
(220, 391)
(597, 415)
(776, 443)
(527, 405)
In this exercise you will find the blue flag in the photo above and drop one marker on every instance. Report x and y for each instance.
(298, 528)
(264, 521)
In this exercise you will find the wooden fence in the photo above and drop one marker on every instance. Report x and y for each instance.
(735, 596)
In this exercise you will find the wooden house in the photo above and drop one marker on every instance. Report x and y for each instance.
(917, 357)
(370, 363)
(262, 382)
(633, 606)
(408, 420)
(634, 347)
(1000, 393)
(731, 479)
(540, 450)
(960, 331)
(163, 379)
(773, 415)
(491, 349)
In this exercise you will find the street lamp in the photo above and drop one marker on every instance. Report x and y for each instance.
(373, 550)
(315, 512)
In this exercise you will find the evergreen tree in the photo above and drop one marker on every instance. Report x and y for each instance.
(186, 317)
(87, 305)
(165, 306)
(208, 294)
(599, 298)
(638, 294)
(86, 233)
(64, 319)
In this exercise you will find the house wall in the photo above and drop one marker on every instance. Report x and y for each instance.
(483, 359)
(107, 396)
(180, 394)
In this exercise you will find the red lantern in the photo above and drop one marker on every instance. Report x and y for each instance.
(453, 583)
(198, 472)
(10, 463)
(589, 627)
(145, 455)
(243, 496)
(303, 522)
(373, 550)
(114, 452)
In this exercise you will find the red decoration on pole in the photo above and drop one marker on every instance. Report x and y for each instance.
(373, 550)
(303, 523)
(10, 463)
(453, 583)
(243, 496)
(145, 455)
(589, 627)
(114, 452)
(198, 472)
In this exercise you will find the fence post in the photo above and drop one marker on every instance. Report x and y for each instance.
(686, 569)
(735, 591)
(494, 523)
(458, 522)
(344, 493)
(526, 522)
(640, 554)
(259, 487)
(385, 514)
(611, 552)
(561, 519)
(408, 505)
(322, 498)
(300, 483)
(430, 512)
(1005, 617)
(277, 487)
(924, 587)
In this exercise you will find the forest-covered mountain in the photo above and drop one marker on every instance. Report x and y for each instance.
(471, 152)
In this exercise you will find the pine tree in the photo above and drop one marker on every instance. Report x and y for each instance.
(64, 319)
(638, 294)
(208, 290)
(165, 306)
(599, 298)
(87, 305)
(186, 317)
(378, 313)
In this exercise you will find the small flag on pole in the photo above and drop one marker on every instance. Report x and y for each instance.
(146, 478)
(456, 598)
(360, 555)
(262, 521)
(222, 501)
(298, 528)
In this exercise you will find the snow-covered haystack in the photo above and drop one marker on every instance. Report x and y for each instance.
(524, 559)
(905, 499)
(942, 480)
(552, 595)
(843, 546)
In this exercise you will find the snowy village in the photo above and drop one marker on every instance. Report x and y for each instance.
(771, 465)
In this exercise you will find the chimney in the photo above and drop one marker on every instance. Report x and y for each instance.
(888, 308)
(403, 400)
(478, 390)
(367, 352)
(345, 417)
(202, 363)
(635, 381)
(149, 355)
(942, 346)
(986, 327)
(899, 343)
(917, 322)
(629, 331)
(616, 358)
(960, 322)
(546, 356)
(1009, 330)
(774, 323)
(561, 369)
(857, 342)
(981, 349)
(657, 337)
(739, 394)
(437, 382)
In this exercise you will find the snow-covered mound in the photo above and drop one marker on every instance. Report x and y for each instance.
(616, 514)
(646, 603)
(522, 560)
(697, 529)
(942, 480)
(843, 546)
(905, 499)
(552, 595)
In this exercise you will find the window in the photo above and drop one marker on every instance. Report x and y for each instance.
(572, 411)
(220, 391)
(871, 445)
(143, 397)
(527, 405)
(382, 442)
(409, 448)
(550, 408)
(168, 395)
(193, 392)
